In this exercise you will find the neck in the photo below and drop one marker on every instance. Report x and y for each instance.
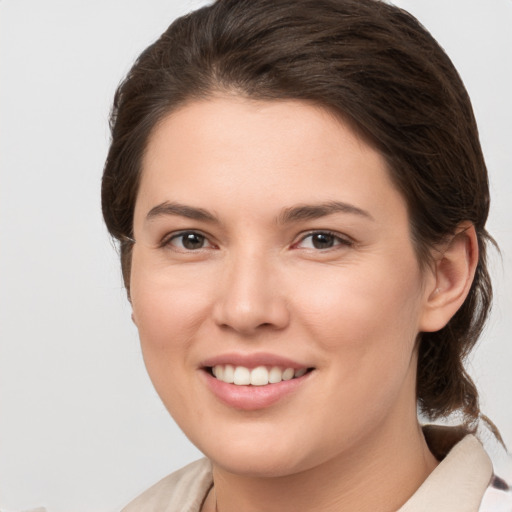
(392, 464)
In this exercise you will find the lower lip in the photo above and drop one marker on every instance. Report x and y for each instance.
(251, 398)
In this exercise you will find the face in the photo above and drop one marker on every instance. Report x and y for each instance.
(273, 250)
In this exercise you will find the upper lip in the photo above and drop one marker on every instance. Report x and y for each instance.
(253, 360)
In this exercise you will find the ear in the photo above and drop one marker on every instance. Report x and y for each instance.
(133, 319)
(453, 272)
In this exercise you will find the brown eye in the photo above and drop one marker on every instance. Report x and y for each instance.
(189, 241)
(322, 240)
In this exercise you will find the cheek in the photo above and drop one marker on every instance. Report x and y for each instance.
(166, 317)
(366, 320)
(168, 309)
(360, 303)
(167, 306)
(366, 328)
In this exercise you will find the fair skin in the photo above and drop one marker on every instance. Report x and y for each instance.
(268, 234)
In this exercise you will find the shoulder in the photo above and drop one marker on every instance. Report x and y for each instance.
(181, 491)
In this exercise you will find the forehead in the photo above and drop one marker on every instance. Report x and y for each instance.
(231, 147)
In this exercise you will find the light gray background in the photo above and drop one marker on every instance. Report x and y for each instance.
(80, 426)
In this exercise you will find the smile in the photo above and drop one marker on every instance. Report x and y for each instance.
(259, 376)
(252, 382)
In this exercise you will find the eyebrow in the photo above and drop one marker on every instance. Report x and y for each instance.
(181, 210)
(316, 211)
(287, 216)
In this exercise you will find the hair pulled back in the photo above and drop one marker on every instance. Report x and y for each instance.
(380, 70)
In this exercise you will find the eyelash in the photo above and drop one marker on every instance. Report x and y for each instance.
(335, 238)
(338, 240)
(167, 241)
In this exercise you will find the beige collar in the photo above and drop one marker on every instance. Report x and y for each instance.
(458, 482)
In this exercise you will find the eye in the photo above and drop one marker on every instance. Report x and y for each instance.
(188, 241)
(322, 240)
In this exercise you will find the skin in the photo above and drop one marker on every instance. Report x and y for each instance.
(352, 311)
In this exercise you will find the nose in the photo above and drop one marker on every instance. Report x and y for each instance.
(250, 298)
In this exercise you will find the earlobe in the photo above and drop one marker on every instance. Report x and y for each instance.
(454, 269)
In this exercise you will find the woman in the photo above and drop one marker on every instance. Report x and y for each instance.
(300, 199)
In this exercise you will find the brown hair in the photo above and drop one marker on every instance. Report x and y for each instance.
(377, 67)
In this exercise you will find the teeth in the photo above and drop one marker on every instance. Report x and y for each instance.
(275, 375)
(301, 372)
(288, 374)
(259, 376)
(229, 374)
(242, 376)
(218, 371)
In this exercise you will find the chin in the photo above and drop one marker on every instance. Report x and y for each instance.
(262, 455)
(261, 465)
